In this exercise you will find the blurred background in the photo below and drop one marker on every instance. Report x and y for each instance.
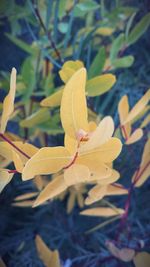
(37, 38)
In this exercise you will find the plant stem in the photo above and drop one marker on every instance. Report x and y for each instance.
(38, 16)
(13, 145)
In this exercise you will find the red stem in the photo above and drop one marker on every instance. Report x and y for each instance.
(72, 162)
(13, 145)
(12, 171)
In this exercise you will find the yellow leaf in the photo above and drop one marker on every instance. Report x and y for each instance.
(71, 201)
(47, 160)
(8, 104)
(139, 106)
(105, 31)
(26, 196)
(102, 212)
(100, 84)
(146, 153)
(123, 110)
(17, 162)
(110, 179)
(23, 204)
(53, 100)
(38, 182)
(80, 200)
(105, 153)
(116, 189)
(73, 109)
(50, 258)
(142, 259)
(6, 150)
(124, 254)
(145, 122)
(69, 68)
(76, 174)
(135, 136)
(144, 174)
(96, 194)
(4, 162)
(101, 135)
(54, 188)
(5, 178)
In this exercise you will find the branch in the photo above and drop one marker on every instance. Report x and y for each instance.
(39, 18)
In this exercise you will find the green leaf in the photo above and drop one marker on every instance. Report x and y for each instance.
(129, 24)
(28, 76)
(100, 84)
(38, 117)
(27, 48)
(86, 6)
(98, 63)
(62, 8)
(63, 27)
(116, 46)
(123, 62)
(139, 29)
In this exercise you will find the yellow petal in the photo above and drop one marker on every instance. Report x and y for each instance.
(146, 121)
(146, 153)
(50, 258)
(92, 126)
(70, 144)
(73, 105)
(101, 135)
(5, 178)
(47, 160)
(142, 259)
(98, 171)
(110, 179)
(123, 110)
(105, 153)
(139, 106)
(116, 189)
(76, 174)
(8, 104)
(102, 212)
(53, 189)
(135, 136)
(96, 194)
(53, 100)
